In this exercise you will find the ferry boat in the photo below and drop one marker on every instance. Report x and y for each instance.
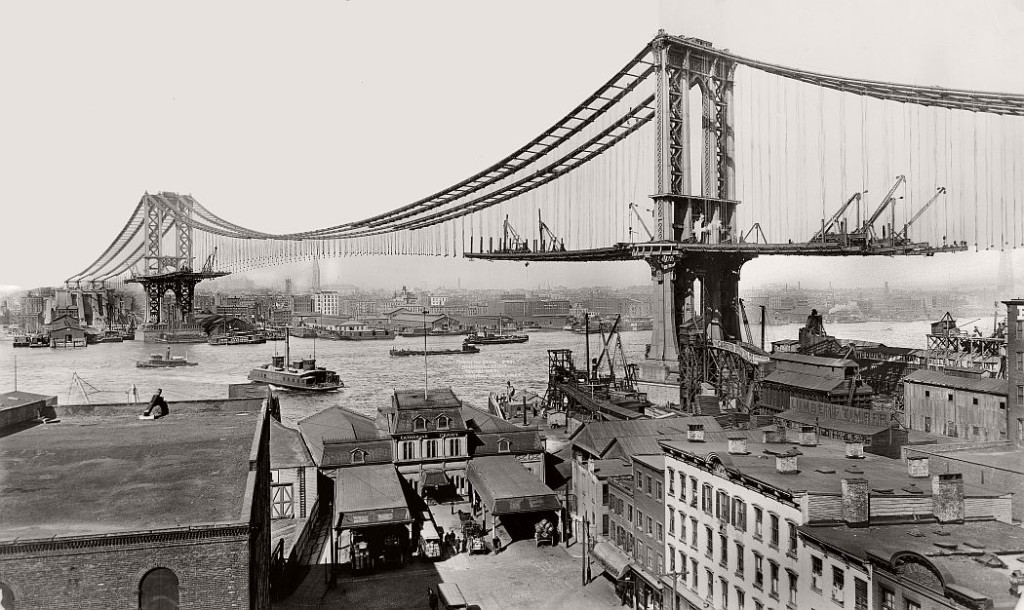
(275, 334)
(465, 349)
(489, 338)
(299, 375)
(157, 361)
(238, 338)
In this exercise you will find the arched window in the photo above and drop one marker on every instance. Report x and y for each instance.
(442, 422)
(358, 456)
(503, 445)
(158, 590)
(419, 424)
(6, 598)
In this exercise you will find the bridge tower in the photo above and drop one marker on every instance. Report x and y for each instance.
(695, 205)
(162, 213)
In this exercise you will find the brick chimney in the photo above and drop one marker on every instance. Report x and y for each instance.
(917, 467)
(778, 435)
(948, 497)
(808, 436)
(856, 502)
(785, 463)
(695, 433)
(738, 445)
(855, 450)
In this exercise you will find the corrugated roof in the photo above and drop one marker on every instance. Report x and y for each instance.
(813, 360)
(341, 454)
(597, 438)
(505, 486)
(831, 424)
(942, 380)
(286, 447)
(805, 381)
(369, 488)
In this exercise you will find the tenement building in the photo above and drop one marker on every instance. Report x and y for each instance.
(735, 509)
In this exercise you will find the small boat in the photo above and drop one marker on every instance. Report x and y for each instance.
(37, 340)
(465, 349)
(495, 339)
(110, 336)
(302, 374)
(419, 332)
(238, 338)
(275, 334)
(157, 361)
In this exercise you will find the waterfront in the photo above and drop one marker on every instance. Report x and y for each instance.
(369, 372)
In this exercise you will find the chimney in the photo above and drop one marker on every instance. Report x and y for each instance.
(948, 497)
(778, 435)
(738, 445)
(695, 433)
(856, 502)
(855, 450)
(917, 467)
(808, 436)
(785, 463)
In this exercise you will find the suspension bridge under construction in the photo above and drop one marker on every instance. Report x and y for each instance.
(691, 158)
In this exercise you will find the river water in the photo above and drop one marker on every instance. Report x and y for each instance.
(369, 372)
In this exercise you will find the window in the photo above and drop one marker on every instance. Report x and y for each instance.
(430, 448)
(725, 593)
(454, 446)
(838, 580)
(741, 598)
(723, 544)
(773, 575)
(659, 563)
(639, 481)
(860, 594)
(758, 521)
(158, 590)
(629, 513)
(660, 533)
(693, 532)
(604, 494)
(650, 525)
(711, 587)
(722, 506)
(648, 485)
(758, 605)
(1020, 362)
(639, 519)
(693, 480)
(408, 450)
(739, 560)
(657, 489)
(705, 498)
(1020, 395)
(672, 523)
(358, 456)
(671, 558)
(650, 558)
(758, 571)
(949, 397)
(710, 550)
(739, 514)
(694, 574)
(927, 424)
(443, 423)
(773, 541)
(816, 566)
(671, 482)
(504, 445)
(888, 599)
(281, 504)
(419, 424)
(792, 587)
(792, 537)
(927, 393)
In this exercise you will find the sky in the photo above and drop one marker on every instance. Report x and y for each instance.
(291, 117)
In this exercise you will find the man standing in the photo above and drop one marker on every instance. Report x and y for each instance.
(431, 598)
(156, 401)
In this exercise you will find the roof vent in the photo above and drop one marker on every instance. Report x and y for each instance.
(854, 470)
(949, 546)
(917, 467)
(825, 470)
(695, 433)
(883, 491)
(855, 450)
(738, 445)
(913, 489)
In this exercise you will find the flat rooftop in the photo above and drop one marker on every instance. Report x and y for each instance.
(1006, 457)
(111, 472)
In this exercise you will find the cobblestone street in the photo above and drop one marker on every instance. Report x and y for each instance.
(521, 576)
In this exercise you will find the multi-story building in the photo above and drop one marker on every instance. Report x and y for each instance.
(817, 378)
(1015, 371)
(302, 304)
(971, 408)
(327, 303)
(734, 512)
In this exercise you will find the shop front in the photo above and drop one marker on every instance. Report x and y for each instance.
(615, 565)
(374, 526)
(512, 502)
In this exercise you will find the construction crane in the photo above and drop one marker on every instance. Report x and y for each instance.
(606, 342)
(511, 241)
(632, 206)
(938, 192)
(869, 224)
(827, 226)
(210, 260)
(547, 236)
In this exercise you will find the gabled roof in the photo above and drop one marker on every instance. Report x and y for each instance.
(287, 450)
(813, 360)
(598, 438)
(341, 454)
(805, 381)
(337, 424)
(982, 385)
(488, 430)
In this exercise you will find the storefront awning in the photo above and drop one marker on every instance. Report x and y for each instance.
(611, 559)
(506, 487)
(434, 478)
(370, 495)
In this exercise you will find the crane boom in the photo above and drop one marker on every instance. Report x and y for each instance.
(512, 244)
(835, 217)
(643, 224)
(939, 191)
(885, 201)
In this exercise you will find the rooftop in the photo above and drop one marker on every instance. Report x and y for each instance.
(954, 552)
(656, 462)
(1006, 457)
(286, 447)
(437, 398)
(805, 381)
(983, 385)
(813, 360)
(108, 471)
(820, 469)
(17, 399)
(597, 438)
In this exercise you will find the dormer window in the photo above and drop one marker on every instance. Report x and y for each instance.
(419, 424)
(443, 422)
(358, 456)
(504, 446)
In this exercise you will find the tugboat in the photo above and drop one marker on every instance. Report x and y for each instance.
(238, 338)
(157, 361)
(489, 338)
(299, 375)
(465, 349)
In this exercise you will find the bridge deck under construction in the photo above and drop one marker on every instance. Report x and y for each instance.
(596, 405)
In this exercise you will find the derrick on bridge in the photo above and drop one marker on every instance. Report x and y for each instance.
(718, 158)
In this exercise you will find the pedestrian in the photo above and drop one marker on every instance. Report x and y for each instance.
(156, 401)
(431, 598)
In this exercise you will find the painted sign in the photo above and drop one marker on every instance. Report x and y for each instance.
(825, 411)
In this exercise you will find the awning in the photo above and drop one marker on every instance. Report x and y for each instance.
(611, 559)
(506, 487)
(434, 478)
(370, 495)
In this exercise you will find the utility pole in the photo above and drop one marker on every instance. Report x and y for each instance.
(585, 565)
(424, 354)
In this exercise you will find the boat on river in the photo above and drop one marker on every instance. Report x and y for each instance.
(36, 340)
(465, 349)
(159, 361)
(299, 375)
(238, 338)
(489, 338)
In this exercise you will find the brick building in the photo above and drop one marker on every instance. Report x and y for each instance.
(119, 522)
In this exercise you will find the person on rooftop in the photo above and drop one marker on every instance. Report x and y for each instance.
(156, 401)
